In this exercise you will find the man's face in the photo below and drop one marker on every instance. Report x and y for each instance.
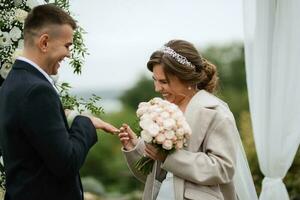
(58, 47)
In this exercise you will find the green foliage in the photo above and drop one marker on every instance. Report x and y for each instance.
(73, 102)
(79, 50)
(229, 60)
(230, 63)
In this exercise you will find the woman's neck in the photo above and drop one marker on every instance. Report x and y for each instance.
(182, 104)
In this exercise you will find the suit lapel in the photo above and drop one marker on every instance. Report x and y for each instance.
(21, 65)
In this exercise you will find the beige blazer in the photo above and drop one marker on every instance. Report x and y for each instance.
(204, 169)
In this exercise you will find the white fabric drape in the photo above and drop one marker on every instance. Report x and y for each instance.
(272, 49)
(243, 181)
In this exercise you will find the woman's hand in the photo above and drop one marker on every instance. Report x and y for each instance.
(153, 153)
(127, 137)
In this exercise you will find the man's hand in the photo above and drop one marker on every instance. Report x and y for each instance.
(100, 124)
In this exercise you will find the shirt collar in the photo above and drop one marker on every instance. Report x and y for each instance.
(40, 70)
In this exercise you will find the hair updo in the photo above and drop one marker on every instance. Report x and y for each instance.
(203, 75)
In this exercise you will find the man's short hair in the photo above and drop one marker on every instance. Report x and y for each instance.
(44, 16)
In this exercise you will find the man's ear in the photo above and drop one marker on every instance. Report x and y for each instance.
(43, 42)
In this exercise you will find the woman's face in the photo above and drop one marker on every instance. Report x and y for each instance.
(172, 90)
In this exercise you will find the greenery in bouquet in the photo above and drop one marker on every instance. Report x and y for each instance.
(164, 126)
(12, 17)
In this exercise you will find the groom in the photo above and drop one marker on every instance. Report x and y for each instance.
(42, 155)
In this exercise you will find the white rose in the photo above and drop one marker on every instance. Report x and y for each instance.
(143, 104)
(168, 124)
(144, 122)
(155, 100)
(20, 15)
(15, 33)
(159, 120)
(21, 44)
(5, 69)
(150, 127)
(179, 144)
(174, 107)
(165, 115)
(179, 132)
(16, 54)
(5, 39)
(168, 144)
(177, 115)
(160, 138)
(180, 122)
(153, 129)
(187, 129)
(141, 111)
(156, 109)
(146, 136)
(153, 115)
(31, 3)
(169, 134)
(18, 2)
(146, 116)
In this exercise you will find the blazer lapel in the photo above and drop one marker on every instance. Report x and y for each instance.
(199, 117)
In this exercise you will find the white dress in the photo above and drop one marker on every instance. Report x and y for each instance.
(166, 191)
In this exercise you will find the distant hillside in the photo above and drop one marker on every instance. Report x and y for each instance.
(104, 94)
(109, 98)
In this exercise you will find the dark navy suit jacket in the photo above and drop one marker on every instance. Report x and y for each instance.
(42, 155)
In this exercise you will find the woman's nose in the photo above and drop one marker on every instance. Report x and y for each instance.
(158, 87)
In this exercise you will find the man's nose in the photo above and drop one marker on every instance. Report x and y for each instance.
(68, 55)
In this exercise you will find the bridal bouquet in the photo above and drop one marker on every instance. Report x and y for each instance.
(163, 125)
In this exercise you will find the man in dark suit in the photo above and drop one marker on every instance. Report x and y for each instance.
(42, 155)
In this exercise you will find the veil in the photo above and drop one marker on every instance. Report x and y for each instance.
(242, 179)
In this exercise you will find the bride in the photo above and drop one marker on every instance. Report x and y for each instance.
(213, 166)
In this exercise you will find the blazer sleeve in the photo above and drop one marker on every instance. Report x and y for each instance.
(215, 165)
(63, 151)
(132, 157)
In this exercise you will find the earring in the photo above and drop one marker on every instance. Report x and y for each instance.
(189, 88)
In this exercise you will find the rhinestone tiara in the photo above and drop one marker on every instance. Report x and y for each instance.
(179, 58)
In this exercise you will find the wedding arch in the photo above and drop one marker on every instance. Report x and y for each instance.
(272, 49)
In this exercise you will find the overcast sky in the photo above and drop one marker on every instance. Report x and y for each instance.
(122, 34)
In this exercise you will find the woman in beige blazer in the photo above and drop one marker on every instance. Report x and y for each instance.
(204, 169)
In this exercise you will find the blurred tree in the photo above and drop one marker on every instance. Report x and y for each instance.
(105, 160)
(143, 90)
(229, 60)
